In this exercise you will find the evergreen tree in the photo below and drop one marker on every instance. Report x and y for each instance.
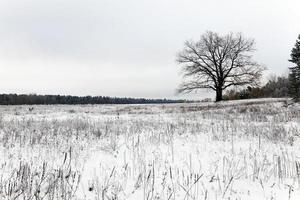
(294, 88)
(294, 76)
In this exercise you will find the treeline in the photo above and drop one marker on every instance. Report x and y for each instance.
(30, 99)
(276, 87)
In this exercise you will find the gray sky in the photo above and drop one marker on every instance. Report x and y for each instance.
(128, 47)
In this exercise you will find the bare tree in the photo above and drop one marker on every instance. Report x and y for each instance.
(218, 62)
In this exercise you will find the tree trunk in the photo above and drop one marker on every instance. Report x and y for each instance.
(219, 94)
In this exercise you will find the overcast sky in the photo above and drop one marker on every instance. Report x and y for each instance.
(128, 47)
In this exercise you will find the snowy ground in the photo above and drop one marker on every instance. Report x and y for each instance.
(229, 150)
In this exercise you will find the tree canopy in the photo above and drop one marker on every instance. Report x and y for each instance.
(218, 62)
(294, 76)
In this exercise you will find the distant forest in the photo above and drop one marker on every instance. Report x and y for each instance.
(276, 87)
(30, 99)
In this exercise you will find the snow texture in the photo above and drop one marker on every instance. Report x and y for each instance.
(244, 150)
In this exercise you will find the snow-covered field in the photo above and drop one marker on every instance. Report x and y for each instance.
(232, 150)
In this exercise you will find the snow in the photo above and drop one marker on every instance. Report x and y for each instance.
(248, 149)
